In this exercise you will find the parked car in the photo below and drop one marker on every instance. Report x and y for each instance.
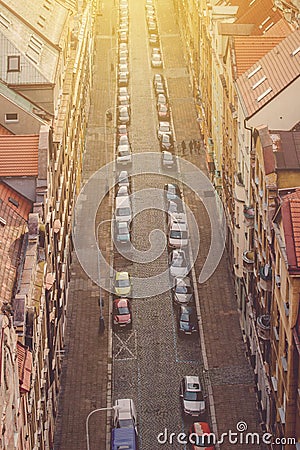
(123, 36)
(123, 209)
(123, 438)
(182, 291)
(175, 207)
(163, 112)
(123, 179)
(122, 233)
(122, 130)
(152, 27)
(187, 320)
(191, 396)
(123, 90)
(124, 140)
(122, 315)
(125, 414)
(123, 115)
(124, 157)
(166, 142)
(153, 39)
(123, 47)
(123, 79)
(159, 88)
(172, 191)
(123, 191)
(156, 60)
(162, 99)
(178, 264)
(168, 160)
(201, 437)
(178, 235)
(122, 284)
(164, 128)
(123, 68)
(123, 100)
(158, 78)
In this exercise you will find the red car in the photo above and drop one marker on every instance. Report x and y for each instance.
(201, 437)
(122, 316)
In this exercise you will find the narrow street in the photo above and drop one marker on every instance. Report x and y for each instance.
(149, 361)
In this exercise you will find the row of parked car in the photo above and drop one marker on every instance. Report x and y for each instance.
(156, 55)
(123, 150)
(124, 423)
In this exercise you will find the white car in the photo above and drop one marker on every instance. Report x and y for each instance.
(123, 191)
(123, 179)
(124, 155)
(176, 217)
(178, 235)
(125, 414)
(178, 264)
(123, 209)
(123, 115)
(191, 396)
(182, 292)
(156, 60)
(163, 128)
(168, 160)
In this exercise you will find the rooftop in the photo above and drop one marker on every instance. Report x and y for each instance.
(249, 49)
(290, 210)
(14, 211)
(19, 155)
(270, 75)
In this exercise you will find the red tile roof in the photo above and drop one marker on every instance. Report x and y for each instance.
(270, 75)
(19, 155)
(290, 209)
(4, 131)
(14, 210)
(249, 49)
(260, 13)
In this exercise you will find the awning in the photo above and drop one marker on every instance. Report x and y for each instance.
(25, 366)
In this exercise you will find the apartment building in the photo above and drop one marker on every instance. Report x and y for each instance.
(44, 96)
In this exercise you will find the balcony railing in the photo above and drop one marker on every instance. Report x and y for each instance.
(249, 215)
(248, 261)
(263, 327)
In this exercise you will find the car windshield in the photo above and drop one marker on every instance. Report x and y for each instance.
(183, 289)
(125, 152)
(178, 234)
(123, 211)
(178, 262)
(122, 283)
(126, 423)
(193, 396)
(168, 157)
(123, 311)
(123, 230)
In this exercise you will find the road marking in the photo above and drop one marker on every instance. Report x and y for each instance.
(124, 346)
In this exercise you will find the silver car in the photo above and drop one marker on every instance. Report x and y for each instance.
(182, 291)
(191, 396)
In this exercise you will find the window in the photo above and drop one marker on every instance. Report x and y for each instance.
(11, 117)
(13, 63)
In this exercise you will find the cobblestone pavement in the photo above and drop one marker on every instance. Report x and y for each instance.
(150, 360)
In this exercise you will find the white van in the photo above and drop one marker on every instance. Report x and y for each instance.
(123, 209)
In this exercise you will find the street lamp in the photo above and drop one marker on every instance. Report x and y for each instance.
(87, 422)
(101, 320)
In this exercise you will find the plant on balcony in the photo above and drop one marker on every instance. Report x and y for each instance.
(263, 326)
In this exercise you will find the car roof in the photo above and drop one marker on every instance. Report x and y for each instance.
(179, 226)
(121, 302)
(185, 281)
(122, 275)
(123, 174)
(201, 428)
(193, 383)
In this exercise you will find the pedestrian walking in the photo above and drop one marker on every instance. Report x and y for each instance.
(183, 147)
(198, 146)
(191, 146)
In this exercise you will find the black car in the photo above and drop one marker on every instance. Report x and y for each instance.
(187, 320)
(166, 142)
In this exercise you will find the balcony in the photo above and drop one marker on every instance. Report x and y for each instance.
(239, 188)
(263, 327)
(248, 261)
(265, 273)
(249, 215)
